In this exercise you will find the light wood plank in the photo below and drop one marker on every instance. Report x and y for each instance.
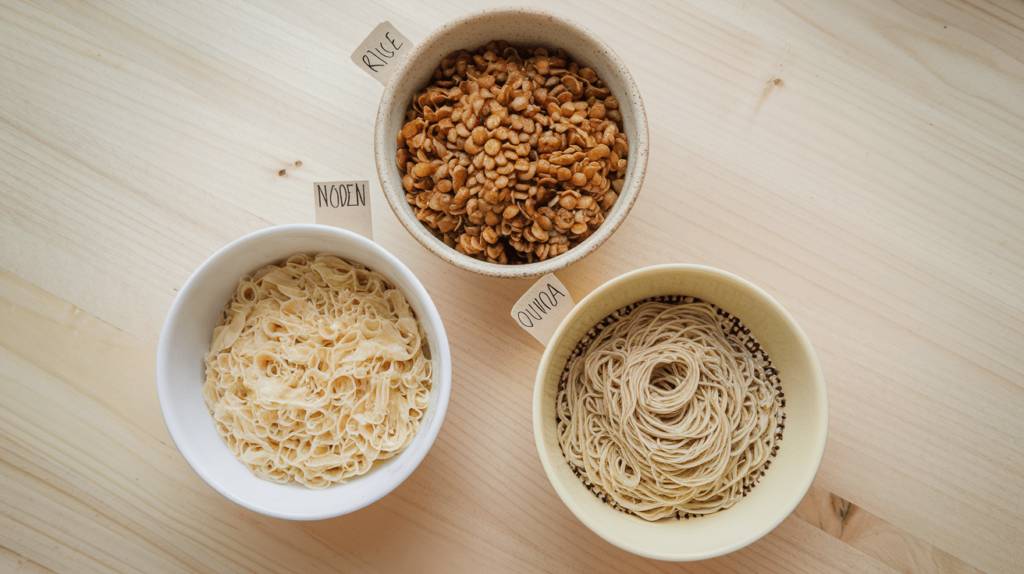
(875, 191)
(17, 564)
(93, 484)
(875, 537)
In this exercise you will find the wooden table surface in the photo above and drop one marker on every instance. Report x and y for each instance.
(863, 162)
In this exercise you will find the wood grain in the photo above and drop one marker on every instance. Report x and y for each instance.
(873, 536)
(89, 470)
(862, 162)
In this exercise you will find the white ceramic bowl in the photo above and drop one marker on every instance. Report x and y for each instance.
(802, 446)
(180, 371)
(524, 27)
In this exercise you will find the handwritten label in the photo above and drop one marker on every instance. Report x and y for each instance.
(381, 51)
(543, 307)
(344, 204)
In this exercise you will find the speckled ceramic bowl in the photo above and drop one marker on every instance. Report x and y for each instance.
(802, 446)
(525, 27)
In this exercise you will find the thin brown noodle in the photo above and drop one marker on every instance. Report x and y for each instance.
(665, 413)
(316, 370)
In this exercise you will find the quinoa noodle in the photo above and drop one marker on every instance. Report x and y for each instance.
(669, 407)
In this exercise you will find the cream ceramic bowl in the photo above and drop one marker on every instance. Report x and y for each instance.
(186, 338)
(525, 27)
(792, 471)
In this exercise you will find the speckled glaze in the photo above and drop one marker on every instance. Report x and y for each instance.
(802, 445)
(521, 26)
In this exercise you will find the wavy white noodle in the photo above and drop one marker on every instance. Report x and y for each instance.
(317, 370)
(670, 410)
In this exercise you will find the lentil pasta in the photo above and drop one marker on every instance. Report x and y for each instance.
(317, 369)
(669, 407)
(512, 154)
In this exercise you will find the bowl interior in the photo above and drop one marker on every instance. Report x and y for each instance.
(521, 27)
(186, 339)
(802, 447)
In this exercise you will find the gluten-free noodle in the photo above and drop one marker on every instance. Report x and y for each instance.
(669, 407)
(316, 370)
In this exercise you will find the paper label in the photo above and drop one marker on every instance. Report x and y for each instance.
(381, 51)
(344, 204)
(543, 307)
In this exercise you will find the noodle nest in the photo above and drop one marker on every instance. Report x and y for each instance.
(669, 407)
(317, 369)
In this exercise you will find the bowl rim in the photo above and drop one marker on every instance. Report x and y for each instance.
(639, 150)
(443, 382)
(817, 451)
